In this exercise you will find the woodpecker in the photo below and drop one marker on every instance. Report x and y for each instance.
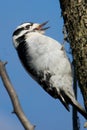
(46, 62)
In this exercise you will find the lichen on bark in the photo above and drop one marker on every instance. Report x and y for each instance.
(74, 13)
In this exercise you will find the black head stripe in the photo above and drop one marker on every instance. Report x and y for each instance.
(16, 32)
(21, 39)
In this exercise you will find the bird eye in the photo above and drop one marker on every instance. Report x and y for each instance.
(27, 27)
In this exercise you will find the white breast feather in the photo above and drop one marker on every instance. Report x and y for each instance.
(47, 54)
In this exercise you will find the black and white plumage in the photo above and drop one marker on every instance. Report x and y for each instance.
(45, 60)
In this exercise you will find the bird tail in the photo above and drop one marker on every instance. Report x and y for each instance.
(67, 99)
(64, 102)
(79, 108)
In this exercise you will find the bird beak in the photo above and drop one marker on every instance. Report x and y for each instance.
(40, 27)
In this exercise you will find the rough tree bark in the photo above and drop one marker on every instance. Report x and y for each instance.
(74, 13)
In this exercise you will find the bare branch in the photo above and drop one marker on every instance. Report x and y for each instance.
(75, 118)
(14, 99)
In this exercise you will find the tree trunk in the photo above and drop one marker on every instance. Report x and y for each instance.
(74, 13)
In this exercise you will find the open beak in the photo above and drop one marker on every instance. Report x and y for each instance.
(41, 26)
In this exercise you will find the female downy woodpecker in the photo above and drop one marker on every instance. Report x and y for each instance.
(46, 62)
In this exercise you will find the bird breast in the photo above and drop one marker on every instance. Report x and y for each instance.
(47, 53)
(45, 60)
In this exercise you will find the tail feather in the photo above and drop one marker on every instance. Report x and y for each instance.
(67, 99)
(66, 105)
(79, 108)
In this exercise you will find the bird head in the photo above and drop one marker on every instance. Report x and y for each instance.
(28, 28)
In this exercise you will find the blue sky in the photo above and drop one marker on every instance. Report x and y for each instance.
(41, 109)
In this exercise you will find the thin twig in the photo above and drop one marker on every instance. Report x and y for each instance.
(14, 99)
(76, 123)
